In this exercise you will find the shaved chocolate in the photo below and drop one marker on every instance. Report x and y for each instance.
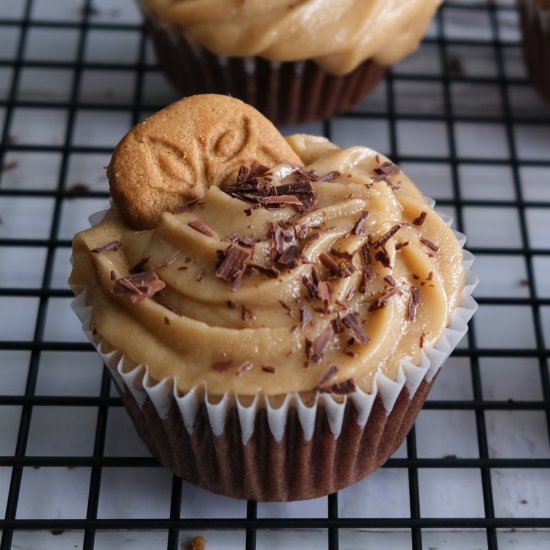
(360, 225)
(324, 292)
(270, 271)
(430, 276)
(310, 286)
(384, 173)
(139, 267)
(222, 366)
(243, 241)
(113, 275)
(329, 176)
(303, 190)
(243, 368)
(383, 300)
(289, 257)
(183, 268)
(350, 352)
(319, 344)
(330, 264)
(390, 280)
(200, 275)
(421, 219)
(351, 322)
(247, 314)
(202, 227)
(112, 246)
(337, 325)
(350, 294)
(231, 304)
(305, 315)
(366, 254)
(368, 276)
(138, 286)
(269, 370)
(340, 388)
(286, 307)
(331, 372)
(232, 263)
(341, 254)
(413, 303)
(387, 236)
(283, 200)
(183, 208)
(429, 244)
(166, 321)
(401, 245)
(383, 257)
(169, 261)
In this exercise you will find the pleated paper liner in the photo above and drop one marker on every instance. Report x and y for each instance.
(285, 92)
(292, 451)
(535, 27)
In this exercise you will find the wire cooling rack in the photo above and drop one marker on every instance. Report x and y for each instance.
(461, 119)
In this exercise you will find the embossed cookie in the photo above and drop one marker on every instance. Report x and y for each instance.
(174, 156)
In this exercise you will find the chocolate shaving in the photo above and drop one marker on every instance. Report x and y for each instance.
(222, 366)
(387, 236)
(270, 271)
(360, 225)
(329, 176)
(350, 352)
(383, 257)
(330, 373)
(311, 287)
(340, 388)
(183, 208)
(383, 300)
(202, 227)
(232, 263)
(113, 275)
(429, 244)
(112, 246)
(166, 321)
(289, 257)
(399, 246)
(231, 304)
(341, 254)
(368, 276)
(169, 261)
(430, 276)
(303, 190)
(244, 367)
(243, 241)
(421, 219)
(330, 264)
(247, 314)
(319, 344)
(352, 323)
(268, 369)
(200, 275)
(286, 307)
(283, 200)
(139, 267)
(183, 268)
(413, 303)
(305, 315)
(422, 339)
(390, 280)
(138, 286)
(324, 292)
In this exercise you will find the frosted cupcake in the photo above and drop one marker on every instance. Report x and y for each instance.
(294, 61)
(275, 337)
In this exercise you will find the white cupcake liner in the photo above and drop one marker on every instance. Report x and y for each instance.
(138, 382)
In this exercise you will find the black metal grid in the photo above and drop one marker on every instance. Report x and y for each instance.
(445, 75)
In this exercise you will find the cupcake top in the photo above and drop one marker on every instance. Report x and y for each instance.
(338, 35)
(301, 276)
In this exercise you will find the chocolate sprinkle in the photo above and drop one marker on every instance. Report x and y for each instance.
(383, 300)
(429, 244)
(138, 286)
(319, 344)
(231, 304)
(383, 257)
(421, 219)
(305, 315)
(268, 369)
(413, 303)
(331, 372)
(233, 263)
(399, 246)
(243, 368)
(270, 271)
(422, 339)
(222, 366)
(330, 264)
(287, 308)
(112, 246)
(340, 388)
(387, 236)
(202, 227)
(360, 225)
(352, 323)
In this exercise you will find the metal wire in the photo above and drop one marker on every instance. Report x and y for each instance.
(332, 524)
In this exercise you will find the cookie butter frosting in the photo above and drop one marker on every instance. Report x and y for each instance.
(338, 35)
(288, 279)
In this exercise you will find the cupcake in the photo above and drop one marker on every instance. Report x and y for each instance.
(273, 311)
(294, 61)
(535, 27)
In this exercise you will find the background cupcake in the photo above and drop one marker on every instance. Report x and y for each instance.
(276, 339)
(294, 63)
(535, 27)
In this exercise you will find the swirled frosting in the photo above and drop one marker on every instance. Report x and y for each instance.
(338, 35)
(287, 280)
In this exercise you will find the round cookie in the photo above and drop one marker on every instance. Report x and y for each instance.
(174, 156)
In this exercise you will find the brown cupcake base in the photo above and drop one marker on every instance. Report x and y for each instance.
(535, 27)
(267, 470)
(286, 92)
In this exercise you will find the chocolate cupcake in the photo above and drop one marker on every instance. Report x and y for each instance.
(535, 27)
(295, 62)
(273, 334)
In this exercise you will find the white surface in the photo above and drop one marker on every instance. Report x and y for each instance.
(140, 492)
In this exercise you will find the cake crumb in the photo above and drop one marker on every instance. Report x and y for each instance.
(196, 543)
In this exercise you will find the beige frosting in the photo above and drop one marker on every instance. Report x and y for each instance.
(337, 34)
(263, 327)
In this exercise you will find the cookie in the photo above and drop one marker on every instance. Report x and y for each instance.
(174, 156)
